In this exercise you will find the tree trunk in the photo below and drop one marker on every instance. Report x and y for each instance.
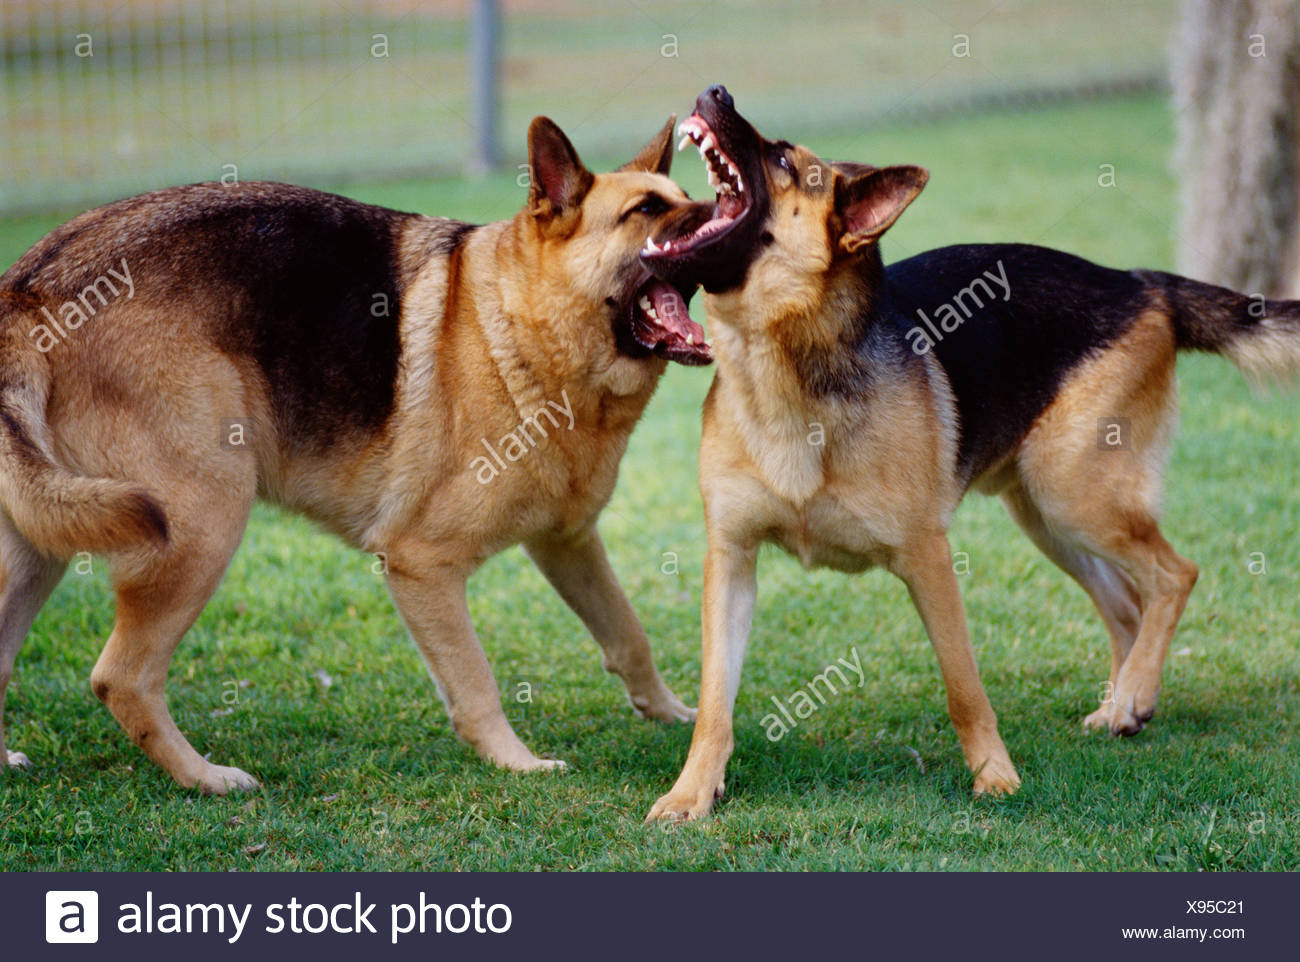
(1236, 80)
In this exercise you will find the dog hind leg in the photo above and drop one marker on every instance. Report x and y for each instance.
(1093, 465)
(27, 579)
(1111, 590)
(1164, 581)
(158, 600)
(1112, 517)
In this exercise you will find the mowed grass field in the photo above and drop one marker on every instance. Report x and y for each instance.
(300, 672)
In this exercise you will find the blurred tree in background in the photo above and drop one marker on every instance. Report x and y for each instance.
(1236, 79)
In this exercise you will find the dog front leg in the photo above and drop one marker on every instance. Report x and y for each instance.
(729, 592)
(431, 600)
(926, 567)
(579, 570)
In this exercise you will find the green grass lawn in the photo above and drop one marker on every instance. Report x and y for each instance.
(300, 672)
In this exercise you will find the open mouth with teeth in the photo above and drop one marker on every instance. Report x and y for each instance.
(724, 177)
(661, 324)
(713, 244)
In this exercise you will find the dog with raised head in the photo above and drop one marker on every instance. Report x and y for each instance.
(854, 405)
(429, 390)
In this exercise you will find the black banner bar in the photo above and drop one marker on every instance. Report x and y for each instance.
(630, 917)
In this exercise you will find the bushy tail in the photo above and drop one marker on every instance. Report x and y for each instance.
(60, 512)
(1261, 337)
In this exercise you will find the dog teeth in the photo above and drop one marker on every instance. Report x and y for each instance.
(690, 340)
(724, 175)
(644, 304)
(651, 247)
(689, 128)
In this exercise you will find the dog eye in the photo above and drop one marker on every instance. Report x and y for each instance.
(783, 162)
(650, 206)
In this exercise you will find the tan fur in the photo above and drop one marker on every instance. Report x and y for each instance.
(129, 411)
(882, 488)
(62, 512)
(885, 494)
(813, 343)
(879, 491)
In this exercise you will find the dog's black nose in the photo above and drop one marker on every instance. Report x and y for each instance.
(719, 93)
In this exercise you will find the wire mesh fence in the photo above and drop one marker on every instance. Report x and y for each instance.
(103, 99)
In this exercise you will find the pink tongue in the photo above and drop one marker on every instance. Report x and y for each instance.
(714, 223)
(671, 312)
(728, 209)
(730, 206)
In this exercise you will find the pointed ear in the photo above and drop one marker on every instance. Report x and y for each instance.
(559, 181)
(869, 202)
(656, 157)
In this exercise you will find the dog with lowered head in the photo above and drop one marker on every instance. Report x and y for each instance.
(364, 367)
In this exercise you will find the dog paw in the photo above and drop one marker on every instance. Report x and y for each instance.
(684, 805)
(17, 760)
(1125, 722)
(997, 777)
(221, 780)
(1131, 712)
(539, 765)
(1099, 720)
(508, 752)
(664, 707)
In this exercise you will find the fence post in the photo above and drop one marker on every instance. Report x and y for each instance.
(483, 84)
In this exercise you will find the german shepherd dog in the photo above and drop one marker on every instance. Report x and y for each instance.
(428, 390)
(854, 405)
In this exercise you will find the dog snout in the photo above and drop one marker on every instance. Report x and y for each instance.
(719, 93)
